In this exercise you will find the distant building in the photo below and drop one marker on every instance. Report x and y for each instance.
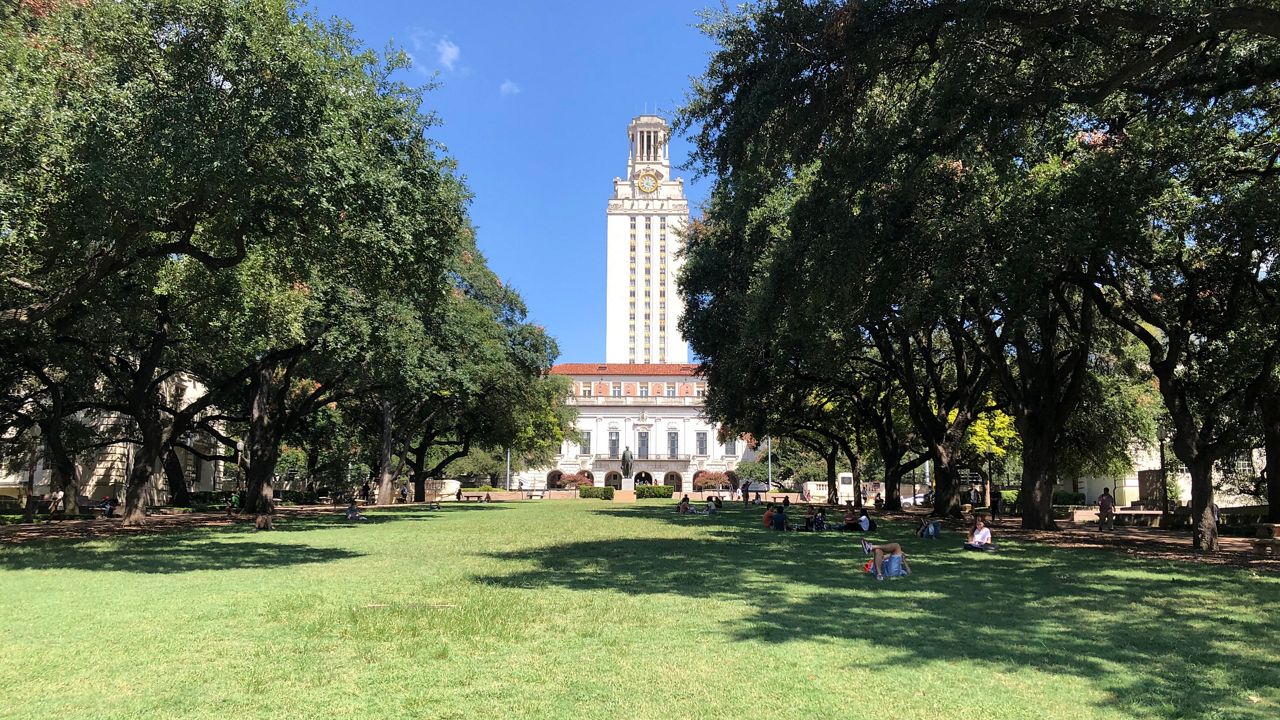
(645, 397)
(653, 410)
(645, 216)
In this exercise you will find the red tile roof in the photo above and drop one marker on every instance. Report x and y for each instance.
(681, 369)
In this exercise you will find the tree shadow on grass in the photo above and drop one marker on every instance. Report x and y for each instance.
(373, 516)
(164, 554)
(1173, 645)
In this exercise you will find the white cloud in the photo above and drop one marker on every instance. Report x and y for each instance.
(508, 87)
(447, 52)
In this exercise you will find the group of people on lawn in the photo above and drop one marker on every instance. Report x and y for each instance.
(887, 559)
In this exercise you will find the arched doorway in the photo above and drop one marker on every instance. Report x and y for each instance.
(589, 475)
(644, 478)
(697, 475)
(673, 479)
(613, 480)
(553, 478)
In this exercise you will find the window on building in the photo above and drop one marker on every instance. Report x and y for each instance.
(642, 445)
(613, 444)
(584, 447)
(644, 390)
(671, 389)
(701, 439)
(586, 389)
(673, 444)
(731, 447)
(617, 390)
(700, 391)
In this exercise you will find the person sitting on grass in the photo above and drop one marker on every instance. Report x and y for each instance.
(980, 537)
(865, 523)
(809, 515)
(711, 507)
(780, 518)
(354, 514)
(820, 520)
(715, 499)
(768, 517)
(850, 518)
(887, 560)
(682, 507)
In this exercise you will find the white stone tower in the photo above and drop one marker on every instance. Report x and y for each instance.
(646, 213)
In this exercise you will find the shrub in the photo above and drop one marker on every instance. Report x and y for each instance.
(575, 480)
(710, 480)
(486, 489)
(298, 497)
(1009, 498)
(599, 493)
(1066, 497)
(654, 491)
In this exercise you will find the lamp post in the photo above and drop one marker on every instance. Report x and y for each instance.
(1162, 434)
(769, 456)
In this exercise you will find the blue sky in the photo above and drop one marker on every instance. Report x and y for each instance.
(535, 98)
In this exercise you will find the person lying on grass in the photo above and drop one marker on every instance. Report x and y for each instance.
(929, 528)
(354, 514)
(887, 560)
(980, 537)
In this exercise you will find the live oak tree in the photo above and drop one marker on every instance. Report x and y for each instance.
(1083, 126)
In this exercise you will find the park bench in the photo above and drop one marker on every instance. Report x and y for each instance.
(470, 497)
(1138, 517)
(1267, 542)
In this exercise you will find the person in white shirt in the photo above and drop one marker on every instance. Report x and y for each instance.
(980, 537)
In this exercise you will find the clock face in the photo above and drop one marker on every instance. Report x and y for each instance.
(647, 182)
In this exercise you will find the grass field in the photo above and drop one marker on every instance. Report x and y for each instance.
(586, 610)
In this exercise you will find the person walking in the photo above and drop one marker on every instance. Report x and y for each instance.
(1106, 510)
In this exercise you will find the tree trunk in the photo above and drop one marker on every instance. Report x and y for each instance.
(855, 469)
(946, 503)
(833, 486)
(1036, 494)
(64, 479)
(265, 431)
(893, 473)
(385, 471)
(176, 475)
(145, 459)
(1271, 443)
(1204, 529)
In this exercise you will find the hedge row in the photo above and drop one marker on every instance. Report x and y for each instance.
(1060, 497)
(654, 491)
(600, 493)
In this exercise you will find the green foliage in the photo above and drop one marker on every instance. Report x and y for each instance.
(654, 491)
(752, 471)
(1066, 497)
(1010, 499)
(575, 480)
(599, 493)
(710, 480)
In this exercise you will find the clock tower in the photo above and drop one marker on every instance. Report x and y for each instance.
(644, 219)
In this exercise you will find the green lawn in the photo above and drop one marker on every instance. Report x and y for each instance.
(587, 610)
